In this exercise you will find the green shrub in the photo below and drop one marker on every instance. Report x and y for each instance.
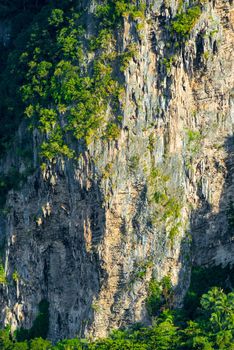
(112, 131)
(167, 202)
(111, 12)
(193, 145)
(134, 162)
(184, 22)
(154, 299)
(70, 344)
(15, 276)
(174, 231)
(2, 275)
(40, 344)
(202, 279)
(193, 136)
(152, 142)
(102, 41)
(107, 171)
(141, 269)
(63, 92)
(168, 62)
(214, 330)
(56, 18)
(125, 58)
(160, 295)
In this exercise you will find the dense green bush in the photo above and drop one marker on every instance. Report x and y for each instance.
(202, 279)
(184, 22)
(112, 131)
(60, 79)
(160, 296)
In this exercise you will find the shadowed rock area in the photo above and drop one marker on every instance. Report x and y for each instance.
(88, 234)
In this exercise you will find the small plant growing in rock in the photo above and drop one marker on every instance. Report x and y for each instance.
(194, 139)
(127, 56)
(142, 268)
(2, 275)
(168, 62)
(96, 307)
(107, 170)
(15, 276)
(206, 55)
(174, 231)
(134, 162)
(152, 142)
(112, 131)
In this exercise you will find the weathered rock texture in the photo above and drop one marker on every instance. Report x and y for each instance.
(80, 235)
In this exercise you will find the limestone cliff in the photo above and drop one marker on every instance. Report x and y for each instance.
(88, 235)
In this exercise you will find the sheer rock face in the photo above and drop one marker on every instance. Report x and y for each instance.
(88, 237)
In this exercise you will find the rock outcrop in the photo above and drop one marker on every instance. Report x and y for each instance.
(89, 235)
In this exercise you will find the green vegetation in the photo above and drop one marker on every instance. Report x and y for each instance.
(160, 296)
(206, 55)
(193, 136)
(129, 53)
(2, 275)
(205, 323)
(194, 139)
(212, 329)
(134, 162)
(65, 81)
(64, 94)
(15, 276)
(179, 30)
(110, 11)
(112, 131)
(168, 62)
(194, 142)
(152, 142)
(106, 173)
(141, 269)
(96, 307)
(184, 21)
(166, 200)
(202, 279)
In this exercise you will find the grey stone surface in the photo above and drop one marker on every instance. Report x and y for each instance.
(77, 234)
